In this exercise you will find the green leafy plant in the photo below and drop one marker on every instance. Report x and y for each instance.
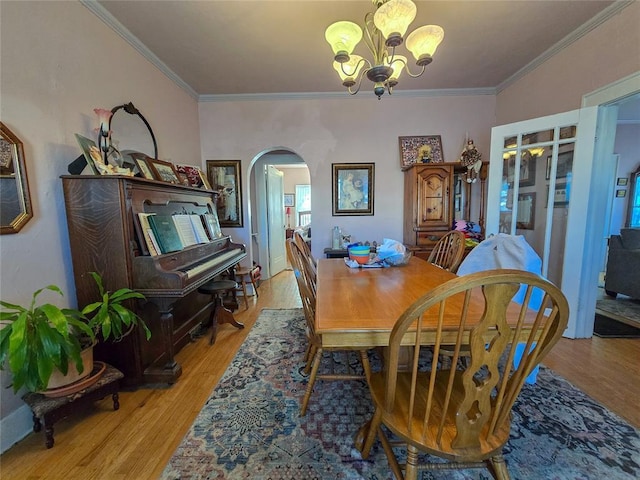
(37, 339)
(112, 319)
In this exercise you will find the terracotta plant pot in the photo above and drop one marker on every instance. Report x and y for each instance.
(58, 380)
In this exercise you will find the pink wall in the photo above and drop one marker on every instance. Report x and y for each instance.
(59, 62)
(606, 54)
(345, 130)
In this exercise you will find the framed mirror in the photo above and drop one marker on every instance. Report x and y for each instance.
(130, 131)
(15, 201)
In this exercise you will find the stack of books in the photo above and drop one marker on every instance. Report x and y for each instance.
(170, 233)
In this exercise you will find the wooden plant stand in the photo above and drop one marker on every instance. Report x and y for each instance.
(49, 410)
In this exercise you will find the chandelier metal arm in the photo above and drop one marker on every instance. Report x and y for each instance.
(355, 67)
(360, 77)
(374, 40)
(392, 60)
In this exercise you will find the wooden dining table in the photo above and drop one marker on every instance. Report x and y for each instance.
(358, 307)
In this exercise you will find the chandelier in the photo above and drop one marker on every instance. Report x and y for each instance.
(383, 32)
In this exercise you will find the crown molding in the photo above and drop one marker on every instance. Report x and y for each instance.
(100, 12)
(247, 97)
(578, 33)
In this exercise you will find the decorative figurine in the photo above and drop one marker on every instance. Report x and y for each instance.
(424, 153)
(472, 159)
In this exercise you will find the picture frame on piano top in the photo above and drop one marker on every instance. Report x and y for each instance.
(224, 177)
(164, 171)
(140, 159)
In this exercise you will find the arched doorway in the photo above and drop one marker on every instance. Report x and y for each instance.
(266, 226)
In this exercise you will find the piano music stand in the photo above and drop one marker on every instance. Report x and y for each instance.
(219, 314)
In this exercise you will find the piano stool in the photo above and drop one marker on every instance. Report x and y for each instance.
(49, 410)
(253, 273)
(219, 314)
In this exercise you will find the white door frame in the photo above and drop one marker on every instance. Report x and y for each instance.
(575, 251)
(589, 245)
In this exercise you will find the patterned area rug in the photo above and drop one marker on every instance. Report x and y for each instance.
(620, 308)
(250, 427)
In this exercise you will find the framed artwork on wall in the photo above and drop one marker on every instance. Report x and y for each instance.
(289, 199)
(565, 165)
(526, 211)
(420, 149)
(560, 195)
(224, 178)
(352, 188)
(527, 171)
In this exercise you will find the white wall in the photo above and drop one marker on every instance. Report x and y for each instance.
(344, 130)
(59, 62)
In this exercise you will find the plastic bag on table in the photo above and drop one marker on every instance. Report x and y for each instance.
(393, 252)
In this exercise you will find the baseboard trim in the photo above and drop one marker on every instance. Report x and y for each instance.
(15, 426)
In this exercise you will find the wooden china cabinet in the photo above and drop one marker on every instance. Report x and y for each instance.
(431, 200)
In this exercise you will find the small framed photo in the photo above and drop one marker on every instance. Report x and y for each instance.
(289, 199)
(352, 185)
(140, 159)
(526, 211)
(420, 149)
(622, 182)
(205, 180)
(164, 171)
(621, 193)
(91, 153)
(192, 173)
(527, 171)
(565, 164)
(224, 177)
(561, 195)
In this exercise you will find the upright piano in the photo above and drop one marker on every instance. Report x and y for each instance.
(105, 237)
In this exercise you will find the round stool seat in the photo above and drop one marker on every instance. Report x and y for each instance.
(217, 286)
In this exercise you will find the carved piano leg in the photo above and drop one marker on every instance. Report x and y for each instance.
(171, 370)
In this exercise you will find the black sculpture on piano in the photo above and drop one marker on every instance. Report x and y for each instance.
(105, 237)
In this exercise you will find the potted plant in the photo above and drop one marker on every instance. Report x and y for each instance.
(38, 340)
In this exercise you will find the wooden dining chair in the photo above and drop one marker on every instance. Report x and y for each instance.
(449, 250)
(462, 416)
(304, 248)
(307, 297)
(315, 350)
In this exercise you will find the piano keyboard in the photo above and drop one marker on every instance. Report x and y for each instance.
(201, 267)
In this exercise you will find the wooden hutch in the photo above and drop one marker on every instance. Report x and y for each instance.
(432, 191)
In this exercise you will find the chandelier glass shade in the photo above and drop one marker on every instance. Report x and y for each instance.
(384, 30)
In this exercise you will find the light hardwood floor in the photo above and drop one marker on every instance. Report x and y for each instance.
(137, 441)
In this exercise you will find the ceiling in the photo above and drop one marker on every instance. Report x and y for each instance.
(278, 47)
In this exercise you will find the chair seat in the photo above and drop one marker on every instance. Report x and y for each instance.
(214, 286)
